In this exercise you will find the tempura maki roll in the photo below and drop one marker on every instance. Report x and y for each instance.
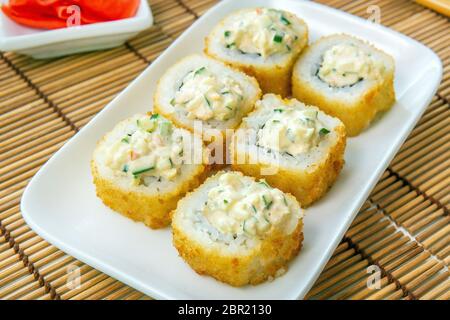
(263, 42)
(296, 148)
(202, 89)
(199, 93)
(238, 230)
(346, 77)
(145, 165)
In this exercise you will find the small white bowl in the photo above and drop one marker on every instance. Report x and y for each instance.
(41, 44)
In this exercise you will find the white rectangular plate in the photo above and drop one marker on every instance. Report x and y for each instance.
(61, 206)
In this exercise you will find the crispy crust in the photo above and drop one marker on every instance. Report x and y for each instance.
(274, 79)
(152, 210)
(307, 186)
(356, 116)
(257, 266)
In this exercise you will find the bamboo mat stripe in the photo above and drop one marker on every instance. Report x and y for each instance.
(403, 228)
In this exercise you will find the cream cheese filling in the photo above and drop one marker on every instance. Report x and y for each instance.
(292, 131)
(236, 206)
(262, 31)
(149, 149)
(347, 64)
(207, 96)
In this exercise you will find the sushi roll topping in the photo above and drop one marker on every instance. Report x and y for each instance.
(206, 95)
(262, 31)
(151, 148)
(346, 64)
(239, 206)
(290, 130)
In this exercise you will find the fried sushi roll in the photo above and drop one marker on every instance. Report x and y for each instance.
(296, 148)
(347, 78)
(238, 230)
(262, 42)
(199, 90)
(202, 89)
(145, 165)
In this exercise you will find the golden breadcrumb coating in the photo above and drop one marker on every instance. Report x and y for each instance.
(267, 260)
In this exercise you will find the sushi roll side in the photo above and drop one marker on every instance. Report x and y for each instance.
(347, 78)
(140, 168)
(296, 148)
(238, 230)
(262, 42)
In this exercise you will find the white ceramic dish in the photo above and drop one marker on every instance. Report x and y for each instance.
(41, 44)
(61, 206)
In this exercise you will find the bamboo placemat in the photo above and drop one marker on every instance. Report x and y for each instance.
(403, 228)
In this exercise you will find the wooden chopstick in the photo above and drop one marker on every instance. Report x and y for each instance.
(441, 6)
